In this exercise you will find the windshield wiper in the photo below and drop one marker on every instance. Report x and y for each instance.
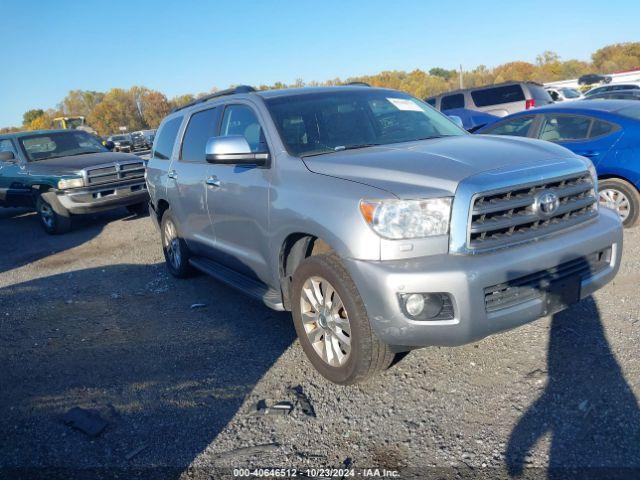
(356, 146)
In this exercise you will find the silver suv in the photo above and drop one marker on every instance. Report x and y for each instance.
(380, 224)
(501, 99)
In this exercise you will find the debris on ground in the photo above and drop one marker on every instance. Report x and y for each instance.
(303, 401)
(87, 421)
(198, 305)
(249, 451)
(136, 451)
(280, 408)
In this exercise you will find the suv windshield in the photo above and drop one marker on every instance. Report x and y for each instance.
(317, 123)
(59, 144)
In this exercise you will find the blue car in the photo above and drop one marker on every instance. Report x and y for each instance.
(472, 120)
(606, 131)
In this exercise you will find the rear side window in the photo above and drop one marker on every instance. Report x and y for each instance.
(201, 127)
(539, 94)
(452, 101)
(518, 127)
(601, 128)
(163, 145)
(497, 95)
(559, 128)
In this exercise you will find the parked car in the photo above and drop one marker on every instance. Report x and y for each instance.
(612, 87)
(500, 100)
(472, 120)
(122, 143)
(380, 224)
(139, 141)
(561, 94)
(606, 131)
(62, 173)
(616, 95)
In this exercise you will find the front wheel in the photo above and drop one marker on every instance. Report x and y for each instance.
(54, 218)
(332, 323)
(622, 197)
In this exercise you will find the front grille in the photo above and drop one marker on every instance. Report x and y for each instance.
(115, 173)
(509, 216)
(532, 286)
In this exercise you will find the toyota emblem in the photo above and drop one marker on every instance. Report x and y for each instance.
(546, 204)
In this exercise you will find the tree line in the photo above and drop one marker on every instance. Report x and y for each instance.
(140, 108)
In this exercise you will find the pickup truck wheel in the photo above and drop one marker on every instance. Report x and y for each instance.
(139, 209)
(53, 217)
(176, 252)
(332, 323)
(622, 197)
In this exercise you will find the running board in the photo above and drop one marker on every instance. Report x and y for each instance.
(253, 288)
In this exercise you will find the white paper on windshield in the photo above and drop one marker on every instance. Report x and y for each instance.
(405, 104)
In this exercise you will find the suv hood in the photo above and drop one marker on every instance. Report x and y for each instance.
(430, 168)
(74, 164)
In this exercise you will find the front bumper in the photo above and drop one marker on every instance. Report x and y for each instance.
(465, 277)
(104, 197)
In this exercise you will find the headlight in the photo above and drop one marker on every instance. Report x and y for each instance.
(594, 176)
(70, 183)
(397, 219)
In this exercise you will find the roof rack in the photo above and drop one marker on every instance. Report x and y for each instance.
(359, 84)
(221, 93)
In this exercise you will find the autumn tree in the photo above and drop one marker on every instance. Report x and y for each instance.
(80, 102)
(31, 115)
(620, 56)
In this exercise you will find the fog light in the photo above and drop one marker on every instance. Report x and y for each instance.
(414, 304)
(426, 306)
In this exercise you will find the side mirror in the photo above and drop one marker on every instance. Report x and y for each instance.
(109, 145)
(234, 150)
(457, 120)
(7, 157)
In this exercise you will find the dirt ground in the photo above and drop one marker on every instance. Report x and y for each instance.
(92, 319)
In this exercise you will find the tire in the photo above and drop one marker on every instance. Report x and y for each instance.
(54, 218)
(367, 355)
(622, 197)
(176, 252)
(139, 209)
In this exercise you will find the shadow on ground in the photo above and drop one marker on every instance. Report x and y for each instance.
(25, 241)
(587, 408)
(124, 340)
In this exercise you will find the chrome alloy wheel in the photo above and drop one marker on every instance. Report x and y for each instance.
(46, 214)
(172, 244)
(325, 321)
(615, 200)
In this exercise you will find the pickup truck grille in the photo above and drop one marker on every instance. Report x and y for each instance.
(514, 215)
(115, 173)
(533, 286)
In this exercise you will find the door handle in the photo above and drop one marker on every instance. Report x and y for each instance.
(172, 174)
(212, 181)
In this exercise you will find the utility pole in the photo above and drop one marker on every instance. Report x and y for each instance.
(461, 82)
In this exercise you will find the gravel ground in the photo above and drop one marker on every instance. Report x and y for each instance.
(92, 319)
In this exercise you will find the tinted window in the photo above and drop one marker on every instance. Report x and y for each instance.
(60, 144)
(240, 120)
(163, 145)
(539, 94)
(452, 101)
(201, 127)
(319, 123)
(559, 128)
(7, 146)
(600, 128)
(518, 127)
(497, 95)
(431, 101)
